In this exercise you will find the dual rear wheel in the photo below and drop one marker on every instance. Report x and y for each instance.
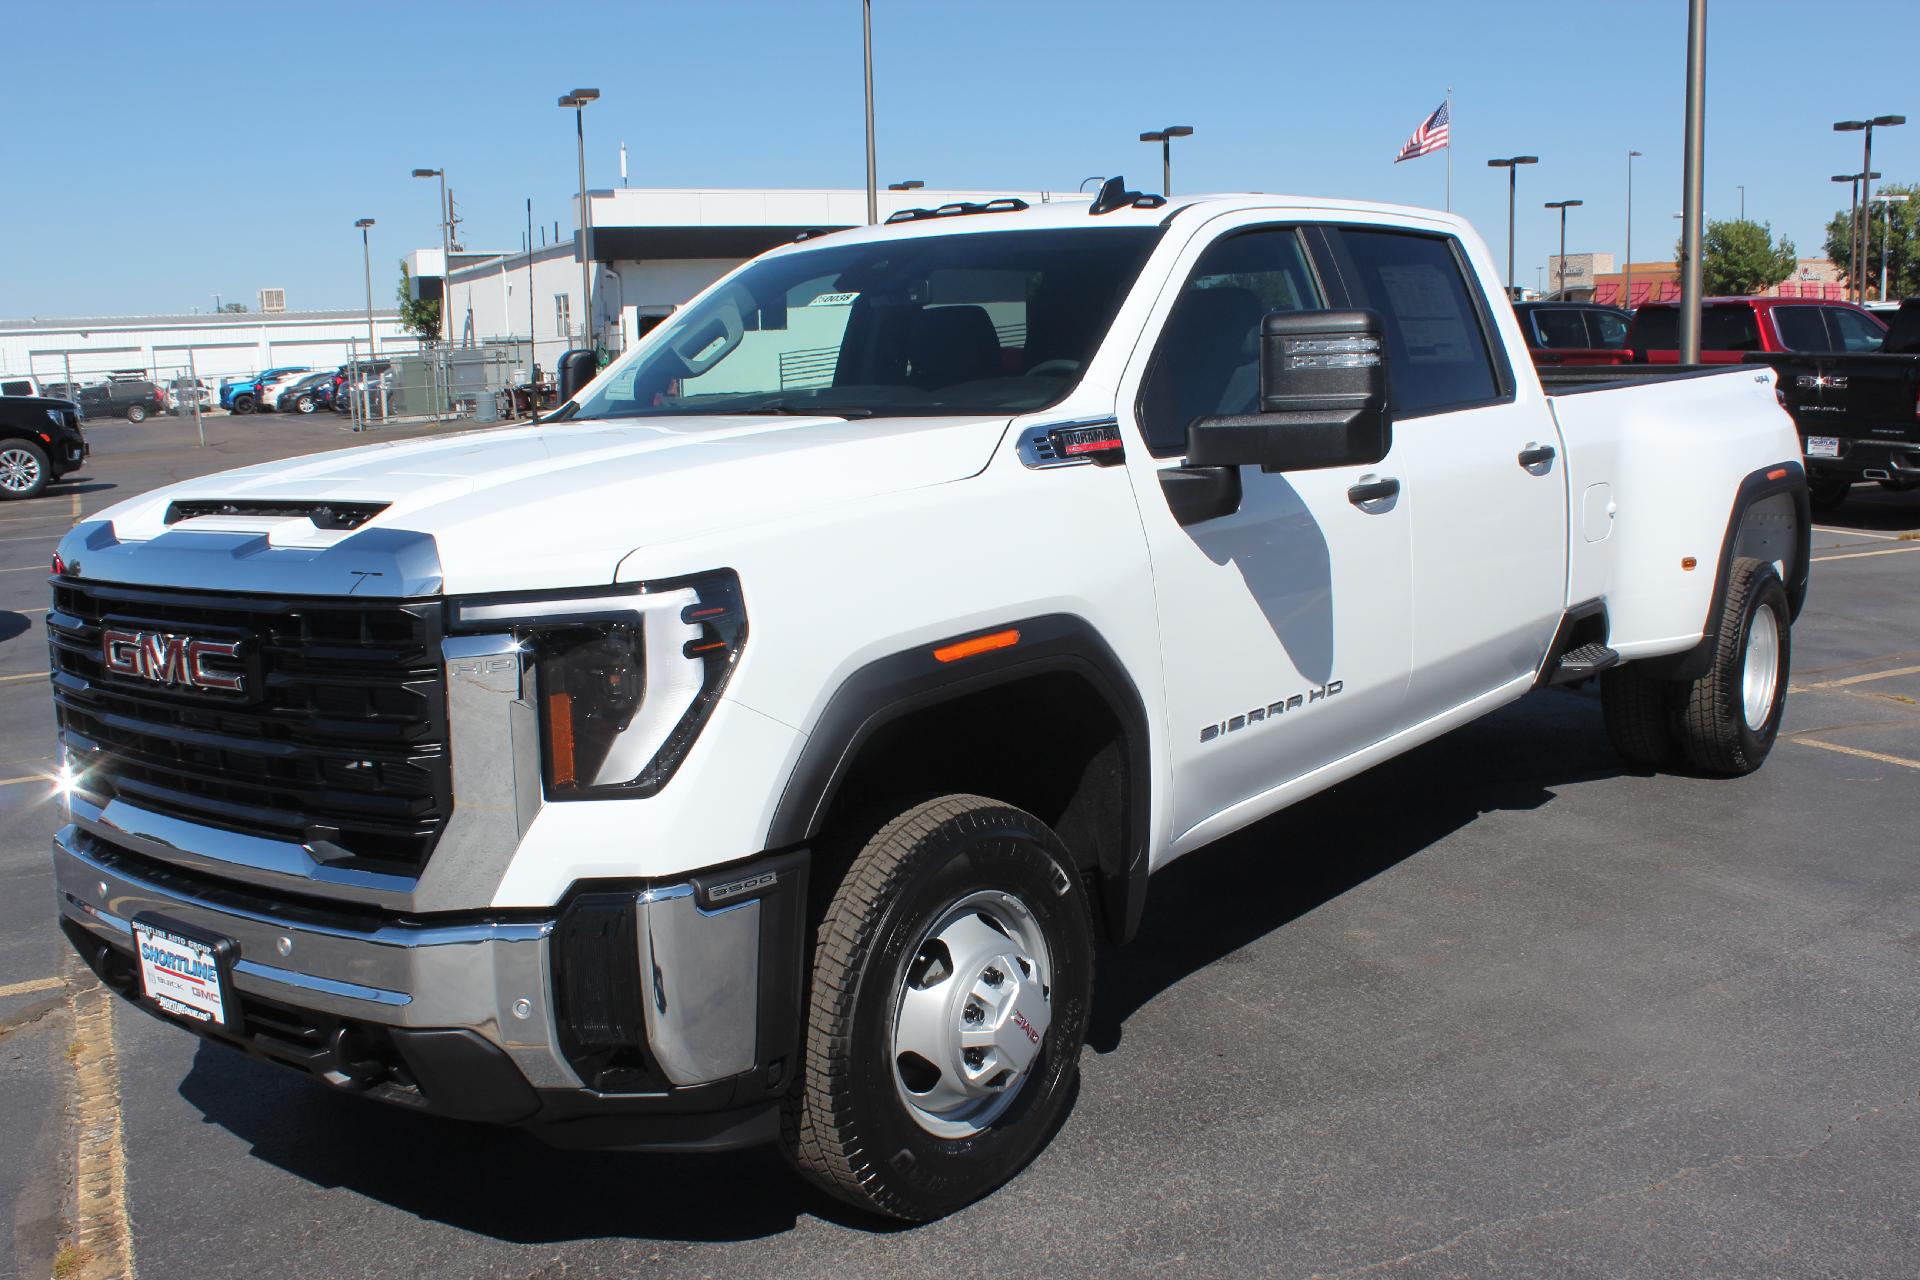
(1724, 722)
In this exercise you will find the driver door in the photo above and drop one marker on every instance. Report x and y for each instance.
(1283, 624)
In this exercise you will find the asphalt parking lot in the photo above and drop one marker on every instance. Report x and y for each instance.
(1498, 1008)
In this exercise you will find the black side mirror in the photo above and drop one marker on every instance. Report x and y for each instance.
(1323, 398)
(577, 368)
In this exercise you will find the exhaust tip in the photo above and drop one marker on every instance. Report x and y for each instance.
(1876, 473)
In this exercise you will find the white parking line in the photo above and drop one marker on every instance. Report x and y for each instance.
(28, 988)
(1881, 756)
(1856, 533)
(29, 568)
(1871, 675)
(1861, 555)
(31, 675)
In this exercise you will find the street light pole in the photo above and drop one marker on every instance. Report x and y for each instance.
(1862, 233)
(446, 256)
(1693, 167)
(1560, 290)
(1626, 279)
(1743, 201)
(366, 261)
(1165, 138)
(873, 170)
(1886, 236)
(1857, 256)
(578, 100)
(1512, 165)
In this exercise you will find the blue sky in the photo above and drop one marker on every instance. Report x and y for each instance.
(178, 150)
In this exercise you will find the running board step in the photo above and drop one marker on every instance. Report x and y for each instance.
(1583, 663)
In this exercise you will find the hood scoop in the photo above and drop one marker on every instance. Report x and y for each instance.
(324, 515)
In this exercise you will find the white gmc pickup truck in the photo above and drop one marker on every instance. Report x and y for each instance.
(755, 749)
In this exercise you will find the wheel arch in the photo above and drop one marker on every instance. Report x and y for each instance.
(1058, 698)
(1771, 519)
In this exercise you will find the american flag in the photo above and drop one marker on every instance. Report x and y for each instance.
(1430, 136)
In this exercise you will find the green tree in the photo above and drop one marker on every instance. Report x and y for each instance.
(419, 316)
(236, 307)
(1896, 234)
(1739, 256)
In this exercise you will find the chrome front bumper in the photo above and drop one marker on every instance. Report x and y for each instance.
(702, 958)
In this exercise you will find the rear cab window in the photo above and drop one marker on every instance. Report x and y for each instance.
(1559, 327)
(1802, 328)
(1435, 319)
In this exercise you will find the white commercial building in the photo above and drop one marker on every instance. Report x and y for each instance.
(653, 249)
(218, 345)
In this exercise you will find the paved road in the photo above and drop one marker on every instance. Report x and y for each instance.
(1498, 1008)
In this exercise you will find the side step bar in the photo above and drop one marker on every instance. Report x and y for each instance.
(1583, 663)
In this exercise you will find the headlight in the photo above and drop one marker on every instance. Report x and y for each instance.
(624, 679)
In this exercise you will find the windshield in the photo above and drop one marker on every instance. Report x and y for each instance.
(1001, 322)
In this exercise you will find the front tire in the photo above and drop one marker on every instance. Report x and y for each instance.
(304, 404)
(1727, 720)
(952, 978)
(23, 469)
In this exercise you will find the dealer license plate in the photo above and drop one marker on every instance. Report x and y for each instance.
(1823, 446)
(184, 975)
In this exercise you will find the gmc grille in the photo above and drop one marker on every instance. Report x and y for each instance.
(337, 742)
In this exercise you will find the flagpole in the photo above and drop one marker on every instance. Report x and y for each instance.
(1449, 148)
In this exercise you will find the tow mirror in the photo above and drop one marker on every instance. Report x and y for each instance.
(1323, 398)
(576, 370)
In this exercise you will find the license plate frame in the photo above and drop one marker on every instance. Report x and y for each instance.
(1823, 446)
(186, 974)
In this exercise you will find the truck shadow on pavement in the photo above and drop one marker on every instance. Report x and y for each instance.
(1213, 902)
(13, 624)
(509, 1186)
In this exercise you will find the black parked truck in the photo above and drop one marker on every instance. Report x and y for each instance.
(40, 441)
(129, 398)
(1858, 412)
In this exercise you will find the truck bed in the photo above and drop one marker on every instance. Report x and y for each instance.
(1572, 380)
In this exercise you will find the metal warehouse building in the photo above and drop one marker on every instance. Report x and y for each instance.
(221, 344)
(653, 249)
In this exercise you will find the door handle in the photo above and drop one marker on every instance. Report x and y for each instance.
(1372, 491)
(1537, 455)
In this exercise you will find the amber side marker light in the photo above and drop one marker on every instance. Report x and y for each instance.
(1688, 563)
(560, 739)
(979, 644)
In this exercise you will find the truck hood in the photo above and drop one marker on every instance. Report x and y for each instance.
(522, 508)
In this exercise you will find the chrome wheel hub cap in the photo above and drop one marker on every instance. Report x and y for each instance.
(972, 1014)
(19, 470)
(1760, 675)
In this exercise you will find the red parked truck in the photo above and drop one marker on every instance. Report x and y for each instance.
(1733, 328)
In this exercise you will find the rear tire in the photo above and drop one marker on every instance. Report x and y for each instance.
(1639, 714)
(961, 923)
(304, 404)
(242, 404)
(1827, 493)
(23, 470)
(1727, 720)
(136, 413)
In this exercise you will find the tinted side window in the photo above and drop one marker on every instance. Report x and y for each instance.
(1802, 329)
(1607, 329)
(1729, 329)
(1434, 337)
(1656, 329)
(1558, 327)
(1208, 359)
(1855, 331)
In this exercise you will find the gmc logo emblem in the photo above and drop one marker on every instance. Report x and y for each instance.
(170, 659)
